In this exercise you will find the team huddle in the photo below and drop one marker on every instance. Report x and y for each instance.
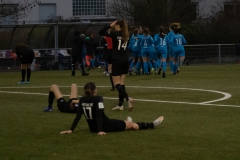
(150, 53)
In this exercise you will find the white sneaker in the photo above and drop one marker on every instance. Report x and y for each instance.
(119, 108)
(105, 72)
(130, 104)
(158, 121)
(129, 119)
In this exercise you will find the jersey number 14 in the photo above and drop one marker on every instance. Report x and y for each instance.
(124, 45)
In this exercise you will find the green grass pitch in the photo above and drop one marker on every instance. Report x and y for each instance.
(201, 106)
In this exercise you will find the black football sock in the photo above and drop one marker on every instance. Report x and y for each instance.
(106, 68)
(28, 74)
(23, 71)
(73, 69)
(120, 100)
(50, 99)
(125, 93)
(143, 125)
(120, 94)
(111, 80)
(82, 68)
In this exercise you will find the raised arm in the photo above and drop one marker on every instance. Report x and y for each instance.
(104, 32)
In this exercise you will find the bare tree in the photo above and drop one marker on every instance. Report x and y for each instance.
(16, 9)
(152, 13)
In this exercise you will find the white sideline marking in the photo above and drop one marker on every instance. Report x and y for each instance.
(226, 95)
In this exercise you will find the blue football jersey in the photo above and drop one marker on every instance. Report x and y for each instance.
(147, 42)
(136, 43)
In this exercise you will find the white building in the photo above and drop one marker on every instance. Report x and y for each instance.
(82, 10)
(97, 10)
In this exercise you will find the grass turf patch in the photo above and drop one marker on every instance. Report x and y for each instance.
(189, 131)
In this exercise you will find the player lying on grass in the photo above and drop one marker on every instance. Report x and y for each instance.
(69, 106)
(92, 107)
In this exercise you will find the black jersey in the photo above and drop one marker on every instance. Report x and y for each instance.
(119, 51)
(93, 110)
(26, 55)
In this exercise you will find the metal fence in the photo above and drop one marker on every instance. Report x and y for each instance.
(59, 58)
(45, 59)
(213, 53)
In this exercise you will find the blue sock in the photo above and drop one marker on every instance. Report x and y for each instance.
(175, 67)
(145, 66)
(93, 62)
(138, 66)
(131, 65)
(149, 65)
(158, 63)
(171, 65)
(164, 66)
(155, 65)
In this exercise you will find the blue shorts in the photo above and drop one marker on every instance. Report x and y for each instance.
(162, 53)
(178, 52)
(154, 55)
(170, 51)
(135, 53)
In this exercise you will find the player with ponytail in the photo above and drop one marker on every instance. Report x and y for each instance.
(92, 107)
(120, 39)
(161, 43)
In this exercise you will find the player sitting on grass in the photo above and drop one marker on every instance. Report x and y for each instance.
(69, 106)
(92, 107)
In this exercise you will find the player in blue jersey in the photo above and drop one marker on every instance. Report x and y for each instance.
(177, 41)
(170, 50)
(131, 58)
(161, 43)
(147, 48)
(136, 50)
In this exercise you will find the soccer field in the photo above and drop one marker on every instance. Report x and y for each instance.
(201, 106)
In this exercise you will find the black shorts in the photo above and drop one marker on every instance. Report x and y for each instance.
(76, 59)
(27, 57)
(114, 125)
(64, 106)
(119, 67)
(109, 56)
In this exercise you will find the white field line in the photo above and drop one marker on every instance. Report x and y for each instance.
(226, 95)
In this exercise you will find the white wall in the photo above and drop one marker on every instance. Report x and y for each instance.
(63, 8)
(206, 6)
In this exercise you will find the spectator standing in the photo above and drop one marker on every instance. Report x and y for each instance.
(77, 49)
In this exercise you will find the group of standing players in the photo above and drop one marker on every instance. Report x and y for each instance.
(149, 53)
